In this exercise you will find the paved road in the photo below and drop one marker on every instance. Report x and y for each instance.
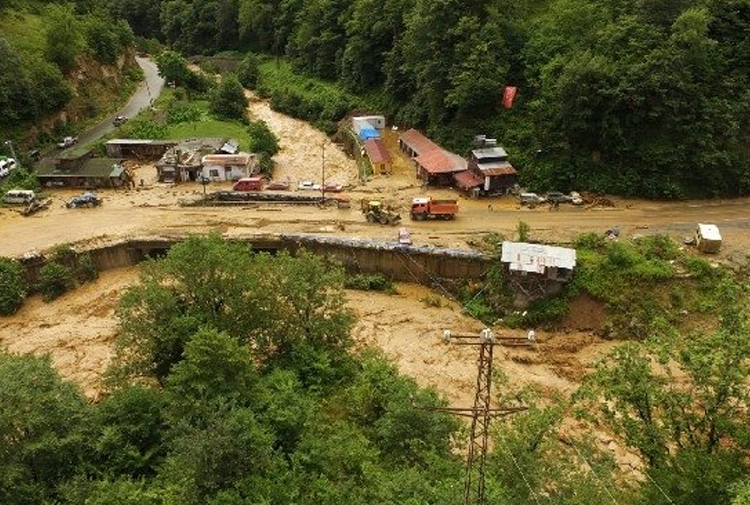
(149, 89)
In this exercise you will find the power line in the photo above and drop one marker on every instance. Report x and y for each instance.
(518, 467)
(598, 479)
(658, 487)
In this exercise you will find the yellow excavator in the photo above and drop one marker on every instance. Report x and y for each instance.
(376, 211)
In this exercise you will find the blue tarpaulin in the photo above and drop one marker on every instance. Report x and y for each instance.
(368, 133)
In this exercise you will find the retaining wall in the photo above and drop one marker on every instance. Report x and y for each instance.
(424, 265)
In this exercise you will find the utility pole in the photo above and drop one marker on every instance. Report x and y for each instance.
(323, 170)
(481, 413)
(13, 152)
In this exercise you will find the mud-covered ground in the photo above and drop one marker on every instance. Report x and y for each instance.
(78, 329)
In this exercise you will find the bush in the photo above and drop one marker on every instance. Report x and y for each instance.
(262, 139)
(86, 270)
(21, 178)
(54, 280)
(183, 112)
(657, 247)
(248, 72)
(591, 241)
(523, 230)
(228, 100)
(12, 286)
(375, 282)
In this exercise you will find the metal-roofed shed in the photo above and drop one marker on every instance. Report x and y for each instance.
(438, 166)
(536, 270)
(93, 173)
(538, 259)
(137, 148)
(497, 153)
(414, 143)
(380, 158)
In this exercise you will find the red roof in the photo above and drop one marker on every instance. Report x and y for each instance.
(467, 180)
(498, 168)
(439, 161)
(418, 142)
(377, 152)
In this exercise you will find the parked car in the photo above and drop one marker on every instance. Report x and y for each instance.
(67, 142)
(248, 184)
(531, 199)
(19, 196)
(278, 185)
(404, 236)
(6, 166)
(333, 188)
(87, 199)
(120, 120)
(575, 198)
(557, 197)
(308, 186)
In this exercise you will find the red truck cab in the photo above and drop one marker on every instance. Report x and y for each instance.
(424, 207)
(248, 184)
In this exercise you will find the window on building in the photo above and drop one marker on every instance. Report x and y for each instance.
(213, 173)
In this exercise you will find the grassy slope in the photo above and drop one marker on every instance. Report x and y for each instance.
(24, 29)
(277, 72)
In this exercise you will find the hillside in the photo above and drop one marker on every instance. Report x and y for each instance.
(60, 70)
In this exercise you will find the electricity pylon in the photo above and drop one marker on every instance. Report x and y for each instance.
(481, 413)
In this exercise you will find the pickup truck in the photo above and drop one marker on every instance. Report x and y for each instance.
(424, 207)
(67, 142)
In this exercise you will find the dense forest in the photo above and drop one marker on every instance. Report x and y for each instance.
(646, 97)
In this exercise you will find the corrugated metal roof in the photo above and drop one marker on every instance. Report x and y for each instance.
(467, 180)
(496, 168)
(490, 152)
(535, 258)
(439, 161)
(141, 142)
(377, 152)
(227, 159)
(418, 142)
(95, 167)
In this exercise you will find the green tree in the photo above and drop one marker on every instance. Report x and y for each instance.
(55, 280)
(43, 430)
(264, 143)
(285, 308)
(318, 42)
(130, 432)
(231, 448)
(248, 72)
(63, 36)
(675, 399)
(173, 67)
(17, 101)
(228, 100)
(216, 371)
(13, 286)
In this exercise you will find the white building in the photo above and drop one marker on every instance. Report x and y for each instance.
(554, 263)
(228, 167)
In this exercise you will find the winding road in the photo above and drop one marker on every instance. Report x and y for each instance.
(149, 89)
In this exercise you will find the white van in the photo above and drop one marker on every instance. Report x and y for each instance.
(19, 196)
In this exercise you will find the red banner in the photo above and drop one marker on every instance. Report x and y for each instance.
(509, 94)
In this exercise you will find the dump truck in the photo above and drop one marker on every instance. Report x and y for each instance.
(377, 211)
(426, 207)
